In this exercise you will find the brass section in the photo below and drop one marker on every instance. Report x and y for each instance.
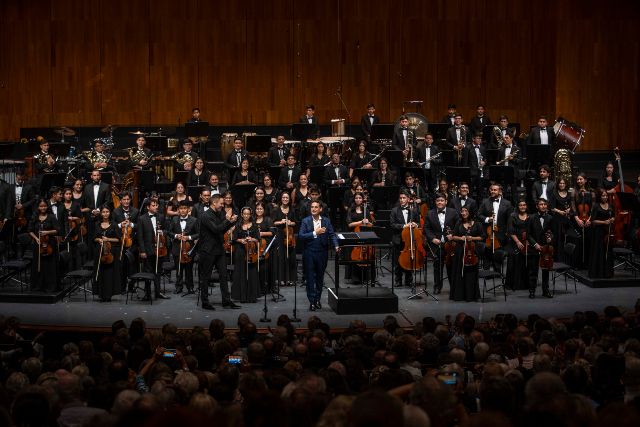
(562, 165)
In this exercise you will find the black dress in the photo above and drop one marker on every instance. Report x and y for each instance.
(198, 180)
(285, 263)
(518, 265)
(357, 273)
(109, 281)
(600, 262)
(245, 275)
(44, 269)
(267, 271)
(72, 237)
(583, 240)
(560, 226)
(465, 287)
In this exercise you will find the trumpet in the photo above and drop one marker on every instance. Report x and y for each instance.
(508, 158)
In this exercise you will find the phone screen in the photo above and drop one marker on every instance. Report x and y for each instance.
(235, 360)
(169, 353)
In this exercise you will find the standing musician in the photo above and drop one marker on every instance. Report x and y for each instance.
(107, 241)
(246, 237)
(43, 230)
(234, 159)
(71, 228)
(359, 217)
(451, 114)
(198, 209)
(244, 175)
(278, 153)
(150, 236)
(336, 175)
(290, 175)
(494, 212)
(55, 204)
(267, 266)
(97, 159)
(457, 136)
(402, 216)
(284, 218)
(23, 199)
(560, 208)
(540, 235)
(497, 136)
(199, 175)
(140, 156)
(184, 159)
(362, 159)
(439, 225)
(510, 155)
(544, 187)
(368, 120)
(601, 254)
(318, 158)
(404, 139)
(426, 155)
(44, 160)
(383, 176)
(184, 231)
(310, 118)
(6, 212)
(213, 225)
(415, 191)
(300, 191)
(582, 206)
(179, 195)
(520, 264)
(304, 208)
(126, 218)
(462, 200)
(95, 194)
(480, 120)
(215, 186)
(541, 134)
(474, 156)
(464, 280)
(317, 233)
(195, 115)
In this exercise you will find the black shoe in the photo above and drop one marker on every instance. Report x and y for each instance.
(207, 306)
(312, 307)
(160, 295)
(147, 297)
(190, 292)
(230, 304)
(532, 295)
(177, 291)
(547, 294)
(318, 305)
(437, 290)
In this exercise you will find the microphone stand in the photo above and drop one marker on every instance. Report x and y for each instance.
(265, 310)
(339, 95)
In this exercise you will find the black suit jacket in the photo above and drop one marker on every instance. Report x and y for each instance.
(197, 211)
(396, 220)
(398, 139)
(534, 136)
(504, 212)
(28, 198)
(6, 211)
(274, 156)
(314, 121)
(213, 225)
(330, 175)
(471, 204)
(421, 155)
(232, 158)
(191, 230)
(470, 159)
(103, 196)
(536, 189)
(283, 179)
(477, 125)
(365, 124)
(448, 120)
(452, 136)
(432, 227)
(222, 188)
(146, 233)
(537, 232)
(119, 216)
(517, 159)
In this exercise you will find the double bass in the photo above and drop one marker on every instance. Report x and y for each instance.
(623, 217)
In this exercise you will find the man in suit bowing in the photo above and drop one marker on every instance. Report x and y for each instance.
(150, 229)
(184, 231)
(368, 120)
(316, 232)
(438, 227)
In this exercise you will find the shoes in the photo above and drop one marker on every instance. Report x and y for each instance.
(160, 295)
(437, 290)
(312, 307)
(230, 304)
(547, 294)
(207, 306)
(177, 291)
(532, 295)
(190, 292)
(147, 297)
(318, 305)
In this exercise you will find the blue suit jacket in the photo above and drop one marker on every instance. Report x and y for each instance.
(321, 242)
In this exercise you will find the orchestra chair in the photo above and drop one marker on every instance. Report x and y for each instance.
(165, 273)
(625, 256)
(134, 280)
(564, 269)
(484, 275)
(78, 279)
(17, 270)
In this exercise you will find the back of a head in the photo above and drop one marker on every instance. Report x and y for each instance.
(543, 387)
(415, 417)
(376, 408)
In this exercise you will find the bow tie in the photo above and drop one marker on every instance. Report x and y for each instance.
(96, 183)
(441, 212)
(183, 219)
(463, 198)
(152, 216)
(496, 200)
(545, 182)
(405, 209)
(543, 129)
(18, 185)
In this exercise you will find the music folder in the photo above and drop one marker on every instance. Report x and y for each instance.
(196, 129)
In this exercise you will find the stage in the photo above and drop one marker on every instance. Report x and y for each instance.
(184, 312)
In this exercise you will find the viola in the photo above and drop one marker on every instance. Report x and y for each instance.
(262, 248)
(74, 229)
(185, 252)
(449, 249)
(470, 255)
(413, 254)
(584, 210)
(106, 257)
(623, 217)
(161, 244)
(228, 247)
(290, 237)
(546, 253)
(251, 251)
(20, 218)
(127, 236)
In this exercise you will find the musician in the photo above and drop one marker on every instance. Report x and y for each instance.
(271, 194)
(601, 255)
(246, 236)
(43, 230)
(304, 208)
(244, 175)
(462, 200)
(229, 205)
(278, 154)
(336, 175)
(347, 198)
(318, 158)
(55, 204)
(195, 115)
(359, 215)
(541, 134)
(150, 229)
(284, 217)
(368, 120)
(560, 209)
(22, 201)
(310, 118)
(362, 159)
(402, 216)
(544, 187)
(520, 264)
(439, 225)
(183, 229)
(198, 209)
(403, 137)
(317, 234)
(474, 156)
(264, 224)
(502, 129)
(464, 285)
(609, 179)
(199, 175)
(140, 155)
(413, 188)
(184, 159)
(582, 206)
(95, 194)
(97, 158)
(539, 234)
(45, 162)
(443, 188)
(258, 198)
(179, 195)
(510, 155)
(126, 217)
(425, 153)
(213, 224)
(215, 186)
(495, 210)
(451, 114)
(78, 191)
(70, 227)
(383, 175)
(457, 135)
(479, 121)
(107, 262)
(290, 175)
(300, 192)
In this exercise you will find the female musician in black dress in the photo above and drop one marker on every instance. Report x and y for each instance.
(383, 175)
(174, 201)
(362, 159)
(78, 186)
(199, 175)
(267, 268)
(602, 218)
(109, 273)
(318, 158)
(519, 261)
(300, 191)
(244, 175)
(43, 229)
(464, 286)
(284, 218)
(560, 206)
(271, 193)
(245, 274)
(259, 197)
(581, 206)
(228, 206)
(347, 198)
(71, 228)
(609, 178)
(359, 215)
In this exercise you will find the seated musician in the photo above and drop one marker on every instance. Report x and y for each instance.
(97, 158)
(183, 229)
(414, 189)
(362, 159)
(539, 235)
(180, 195)
(383, 175)
(278, 153)
(290, 175)
(234, 159)
(543, 188)
(495, 211)
(318, 158)
(457, 137)
(403, 138)
(497, 136)
(402, 216)
(139, 156)
(45, 162)
(185, 158)
(244, 175)
(199, 175)
(198, 209)
(438, 227)
(425, 153)
(462, 200)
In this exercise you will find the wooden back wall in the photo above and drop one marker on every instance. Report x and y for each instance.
(124, 62)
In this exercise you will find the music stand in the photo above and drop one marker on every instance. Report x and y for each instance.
(386, 195)
(538, 155)
(302, 131)
(487, 133)
(258, 143)
(196, 129)
(316, 175)
(394, 157)
(363, 174)
(382, 131)
(439, 131)
(157, 143)
(458, 174)
(181, 176)
(194, 191)
(492, 155)
(502, 175)
(147, 180)
(51, 180)
(449, 157)
(241, 193)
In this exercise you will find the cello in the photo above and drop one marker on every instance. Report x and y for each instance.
(412, 255)
(623, 217)
(492, 229)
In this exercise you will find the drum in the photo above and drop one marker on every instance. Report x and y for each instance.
(337, 127)
(337, 144)
(226, 144)
(568, 135)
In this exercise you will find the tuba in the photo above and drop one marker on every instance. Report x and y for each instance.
(497, 133)
(562, 165)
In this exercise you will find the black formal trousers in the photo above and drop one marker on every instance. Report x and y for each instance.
(206, 263)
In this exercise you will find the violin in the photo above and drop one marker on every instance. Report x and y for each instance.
(363, 253)
(185, 252)
(470, 255)
(584, 210)
(413, 254)
(106, 257)
(227, 240)
(251, 251)
(290, 237)
(262, 248)
(623, 217)
(492, 242)
(45, 247)
(127, 236)
(20, 218)
(449, 249)
(74, 228)
(161, 243)
(546, 253)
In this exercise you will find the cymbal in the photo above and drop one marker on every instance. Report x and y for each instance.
(108, 128)
(138, 132)
(65, 131)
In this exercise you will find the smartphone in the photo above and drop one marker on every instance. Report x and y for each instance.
(235, 360)
(449, 378)
(169, 352)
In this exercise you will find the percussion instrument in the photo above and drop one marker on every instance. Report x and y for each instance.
(568, 135)
(337, 127)
(226, 143)
(337, 144)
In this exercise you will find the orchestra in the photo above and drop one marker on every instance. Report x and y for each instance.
(94, 212)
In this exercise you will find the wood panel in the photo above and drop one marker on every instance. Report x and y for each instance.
(74, 63)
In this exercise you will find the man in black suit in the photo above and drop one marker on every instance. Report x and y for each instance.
(415, 191)
(424, 153)
(541, 134)
(310, 117)
(213, 225)
(474, 156)
(187, 157)
(457, 136)
(500, 131)
(198, 209)
(278, 154)
(184, 230)
(368, 120)
(451, 114)
(140, 155)
(195, 115)
(479, 121)
(462, 200)
(438, 227)
(215, 186)
(511, 155)
(95, 194)
(404, 138)
(235, 158)
(496, 210)
(335, 176)
(23, 196)
(543, 187)
(290, 175)
(539, 234)
(150, 227)
(126, 215)
(401, 217)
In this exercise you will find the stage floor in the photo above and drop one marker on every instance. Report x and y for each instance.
(183, 311)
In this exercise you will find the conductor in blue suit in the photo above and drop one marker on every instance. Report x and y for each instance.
(316, 233)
